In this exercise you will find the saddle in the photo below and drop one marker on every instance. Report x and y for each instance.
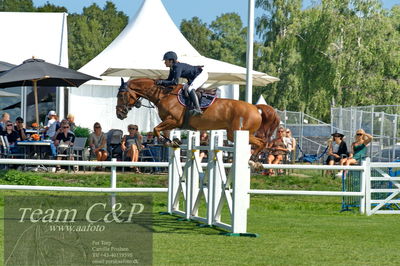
(206, 97)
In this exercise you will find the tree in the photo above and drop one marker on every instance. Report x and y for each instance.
(279, 56)
(51, 8)
(198, 34)
(91, 32)
(229, 39)
(342, 51)
(17, 5)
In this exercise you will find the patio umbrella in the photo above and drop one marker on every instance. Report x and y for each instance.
(36, 72)
(4, 66)
(8, 94)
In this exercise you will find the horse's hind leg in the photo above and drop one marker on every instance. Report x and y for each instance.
(259, 144)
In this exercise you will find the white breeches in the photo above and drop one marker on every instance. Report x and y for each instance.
(198, 81)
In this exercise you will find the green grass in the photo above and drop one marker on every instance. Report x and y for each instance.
(294, 230)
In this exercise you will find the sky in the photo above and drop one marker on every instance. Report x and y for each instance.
(206, 10)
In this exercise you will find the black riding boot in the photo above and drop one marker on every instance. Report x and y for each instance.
(195, 101)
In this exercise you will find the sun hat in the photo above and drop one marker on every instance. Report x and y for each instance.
(337, 134)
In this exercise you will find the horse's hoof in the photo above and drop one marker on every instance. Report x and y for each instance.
(259, 166)
(256, 166)
(252, 164)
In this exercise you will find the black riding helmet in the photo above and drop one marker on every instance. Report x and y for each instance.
(170, 56)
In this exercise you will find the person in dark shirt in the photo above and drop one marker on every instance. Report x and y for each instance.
(19, 127)
(195, 75)
(64, 140)
(11, 135)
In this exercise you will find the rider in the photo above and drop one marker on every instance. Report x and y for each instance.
(195, 75)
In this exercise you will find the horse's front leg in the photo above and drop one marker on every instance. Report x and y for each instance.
(167, 124)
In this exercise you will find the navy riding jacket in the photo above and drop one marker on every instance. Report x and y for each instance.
(181, 70)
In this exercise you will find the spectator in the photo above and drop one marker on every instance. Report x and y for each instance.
(51, 127)
(4, 118)
(131, 144)
(20, 127)
(71, 121)
(11, 135)
(359, 148)
(63, 142)
(290, 143)
(337, 150)
(277, 149)
(149, 138)
(59, 128)
(98, 143)
(203, 142)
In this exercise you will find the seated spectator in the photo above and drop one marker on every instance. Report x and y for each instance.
(4, 118)
(71, 121)
(20, 128)
(337, 150)
(290, 143)
(131, 144)
(149, 139)
(203, 142)
(277, 150)
(63, 142)
(98, 143)
(359, 148)
(59, 128)
(11, 135)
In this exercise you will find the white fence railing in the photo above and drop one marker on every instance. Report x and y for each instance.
(188, 182)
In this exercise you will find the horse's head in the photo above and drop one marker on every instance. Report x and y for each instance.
(126, 99)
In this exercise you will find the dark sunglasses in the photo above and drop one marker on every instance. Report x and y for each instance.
(359, 134)
(97, 127)
(133, 128)
(65, 127)
(9, 125)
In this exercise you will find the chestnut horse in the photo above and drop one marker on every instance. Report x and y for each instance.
(225, 114)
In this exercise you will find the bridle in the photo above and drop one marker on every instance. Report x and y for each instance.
(138, 103)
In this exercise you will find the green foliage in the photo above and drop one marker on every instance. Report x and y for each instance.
(92, 31)
(334, 53)
(51, 8)
(342, 52)
(82, 132)
(224, 39)
(17, 5)
(20, 178)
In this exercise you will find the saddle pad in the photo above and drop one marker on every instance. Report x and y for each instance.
(205, 101)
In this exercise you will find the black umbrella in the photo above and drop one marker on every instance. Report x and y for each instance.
(34, 72)
(4, 66)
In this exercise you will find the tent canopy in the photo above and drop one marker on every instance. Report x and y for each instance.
(138, 51)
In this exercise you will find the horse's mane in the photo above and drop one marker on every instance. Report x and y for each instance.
(175, 88)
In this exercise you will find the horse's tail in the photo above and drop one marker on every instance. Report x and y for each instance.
(270, 122)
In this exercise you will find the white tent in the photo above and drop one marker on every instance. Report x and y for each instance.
(138, 52)
(42, 35)
(261, 100)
